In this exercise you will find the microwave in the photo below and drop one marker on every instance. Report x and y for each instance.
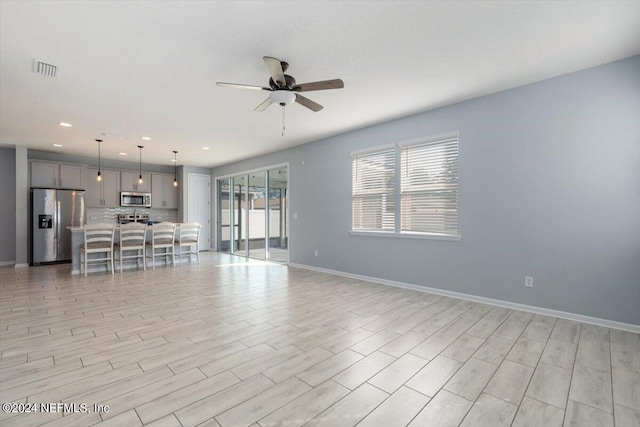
(134, 199)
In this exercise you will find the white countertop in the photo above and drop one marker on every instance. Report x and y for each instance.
(75, 229)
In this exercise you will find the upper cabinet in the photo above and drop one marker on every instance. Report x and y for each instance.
(73, 177)
(163, 193)
(56, 175)
(129, 181)
(45, 174)
(105, 193)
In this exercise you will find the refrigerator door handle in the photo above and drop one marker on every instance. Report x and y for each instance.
(57, 223)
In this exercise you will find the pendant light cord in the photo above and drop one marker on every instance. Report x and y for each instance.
(175, 168)
(99, 176)
(140, 165)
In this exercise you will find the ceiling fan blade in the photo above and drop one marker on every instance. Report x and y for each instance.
(264, 105)
(326, 84)
(306, 102)
(239, 86)
(275, 69)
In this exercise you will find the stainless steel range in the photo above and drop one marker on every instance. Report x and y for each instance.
(142, 218)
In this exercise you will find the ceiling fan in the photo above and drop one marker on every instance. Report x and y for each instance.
(283, 89)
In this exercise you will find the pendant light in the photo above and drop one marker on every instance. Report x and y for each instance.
(140, 181)
(99, 177)
(175, 168)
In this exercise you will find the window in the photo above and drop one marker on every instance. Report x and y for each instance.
(426, 201)
(373, 196)
(429, 187)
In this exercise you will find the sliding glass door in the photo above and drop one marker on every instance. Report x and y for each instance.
(277, 222)
(257, 215)
(240, 215)
(252, 214)
(225, 202)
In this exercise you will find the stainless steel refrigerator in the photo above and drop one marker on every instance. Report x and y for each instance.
(53, 211)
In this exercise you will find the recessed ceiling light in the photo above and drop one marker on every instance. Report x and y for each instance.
(64, 124)
(57, 145)
(205, 148)
(122, 154)
(146, 138)
(173, 160)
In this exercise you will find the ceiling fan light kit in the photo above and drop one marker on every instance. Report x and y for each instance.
(283, 88)
(282, 97)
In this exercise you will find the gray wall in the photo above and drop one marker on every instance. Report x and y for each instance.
(8, 205)
(549, 187)
(22, 206)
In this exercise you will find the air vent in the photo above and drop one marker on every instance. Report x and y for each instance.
(45, 69)
(110, 135)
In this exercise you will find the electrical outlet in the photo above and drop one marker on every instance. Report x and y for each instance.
(295, 215)
(315, 253)
(528, 281)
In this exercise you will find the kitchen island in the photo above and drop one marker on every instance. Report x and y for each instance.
(77, 242)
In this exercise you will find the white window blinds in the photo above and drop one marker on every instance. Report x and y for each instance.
(373, 190)
(429, 187)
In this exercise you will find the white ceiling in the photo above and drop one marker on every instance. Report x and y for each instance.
(149, 68)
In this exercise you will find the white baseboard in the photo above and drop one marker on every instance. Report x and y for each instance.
(2, 263)
(500, 303)
(22, 265)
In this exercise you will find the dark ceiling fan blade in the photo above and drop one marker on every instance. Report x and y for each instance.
(264, 105)
(326, 84)
(239, 86)
(306, 102)
(275, 69)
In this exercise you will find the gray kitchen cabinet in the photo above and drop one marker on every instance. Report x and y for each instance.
(163, 193)
(129, 181)
(45, 175)
(73, 177)
(56, 175)
(105, 193)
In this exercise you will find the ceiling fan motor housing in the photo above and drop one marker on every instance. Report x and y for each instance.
(290, 82)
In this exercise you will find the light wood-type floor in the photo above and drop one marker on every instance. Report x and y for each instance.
(235, 342)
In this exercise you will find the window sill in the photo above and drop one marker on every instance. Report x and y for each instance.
(406, 235)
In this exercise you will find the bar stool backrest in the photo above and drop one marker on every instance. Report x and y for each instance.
(163, 233)
(133, 235)
(189, 233)
(99, 236)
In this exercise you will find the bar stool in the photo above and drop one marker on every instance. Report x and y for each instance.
(188, 236)
(162, 236)
(132, 238)
(98, 239)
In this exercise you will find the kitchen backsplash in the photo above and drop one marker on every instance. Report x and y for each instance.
(110, 215)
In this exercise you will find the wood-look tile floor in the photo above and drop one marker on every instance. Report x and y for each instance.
(236, 342)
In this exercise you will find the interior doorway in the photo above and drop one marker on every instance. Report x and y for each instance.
(199, 207)
(252, 214)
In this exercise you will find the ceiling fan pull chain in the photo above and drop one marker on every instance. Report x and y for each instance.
(283, 120)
